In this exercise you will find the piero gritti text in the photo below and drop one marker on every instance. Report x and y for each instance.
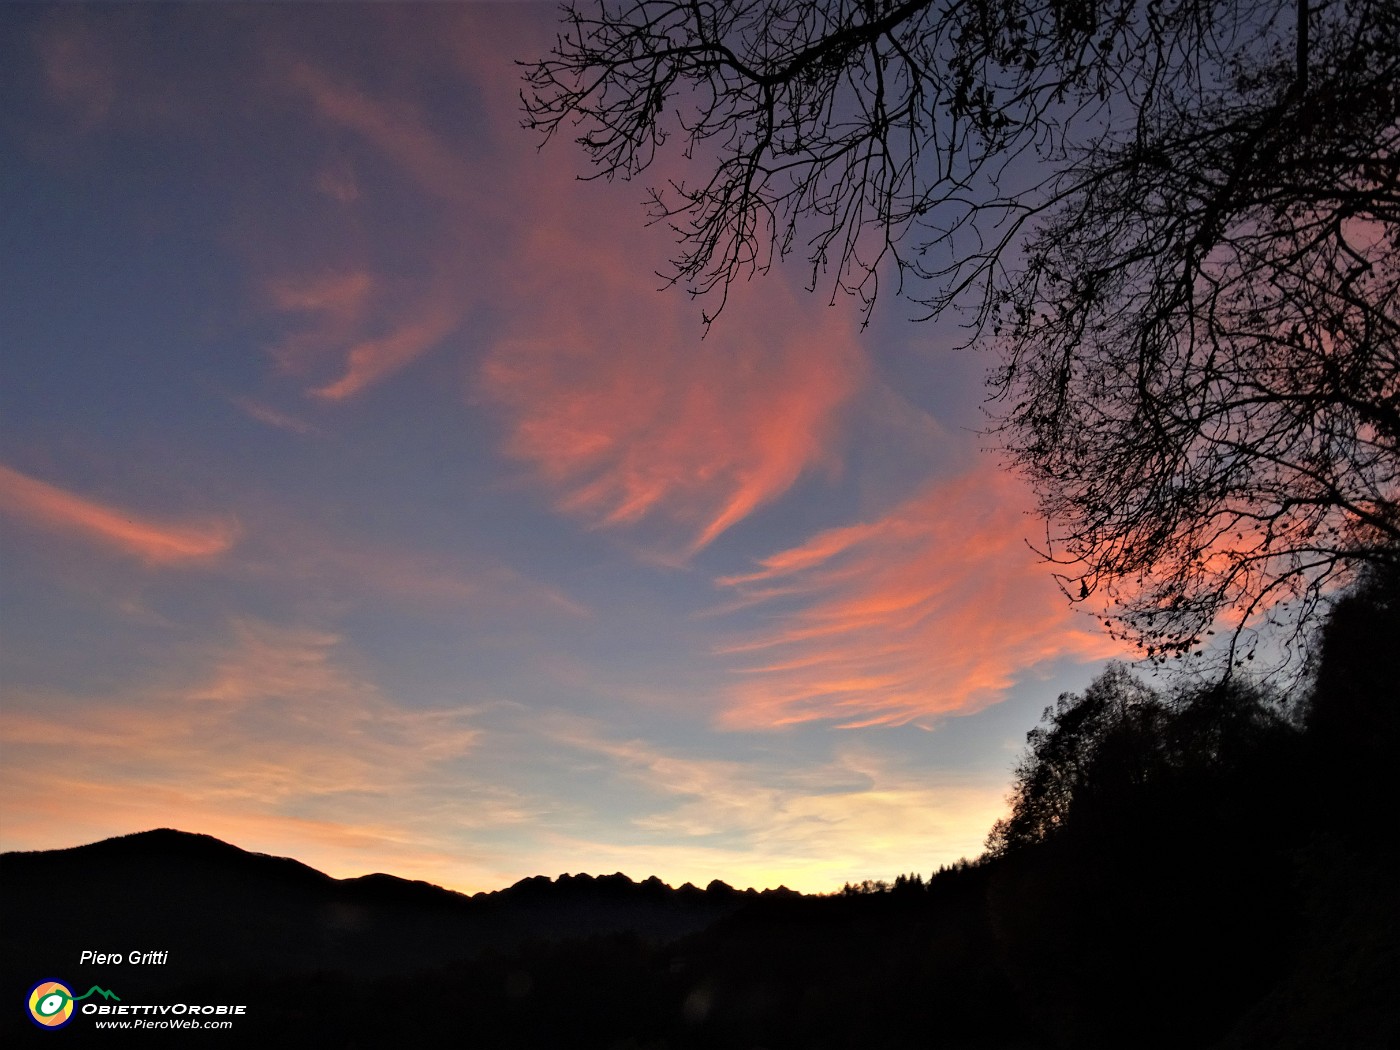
(132, 958)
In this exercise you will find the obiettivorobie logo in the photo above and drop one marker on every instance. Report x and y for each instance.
(51, 1002)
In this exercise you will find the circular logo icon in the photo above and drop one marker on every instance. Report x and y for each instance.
(51, 1004)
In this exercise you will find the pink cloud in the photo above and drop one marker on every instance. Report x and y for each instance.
(374, 359)
(330, 307)
(934, 609)
(612, 395)
(617, 405)
(394, 128)
(272, 417)
(609, 395)
(341, 310)
(341, 295)
(339, 184)
(154, 542)
(377, 326)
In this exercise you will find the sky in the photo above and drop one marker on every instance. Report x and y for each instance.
(364, 498)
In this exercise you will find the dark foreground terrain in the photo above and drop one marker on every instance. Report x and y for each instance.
(1154, 946)
(1209, 868)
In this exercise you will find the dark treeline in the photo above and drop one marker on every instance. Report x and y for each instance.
(1210, 866)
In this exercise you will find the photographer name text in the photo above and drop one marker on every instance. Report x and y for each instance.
(136, 958)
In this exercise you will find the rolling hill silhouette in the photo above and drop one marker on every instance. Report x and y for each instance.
(223, 911)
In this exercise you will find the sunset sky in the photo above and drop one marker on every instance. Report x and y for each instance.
(364, 500)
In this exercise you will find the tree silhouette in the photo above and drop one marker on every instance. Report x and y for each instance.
(1123, 754)
(1202, 374)
(1353, 713)
(1089, 748)
(1179, 222)
(1355, 702)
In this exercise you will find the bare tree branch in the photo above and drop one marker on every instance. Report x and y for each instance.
(1177, 220)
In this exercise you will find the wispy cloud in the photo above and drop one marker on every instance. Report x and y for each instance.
(338, 182)
(317, 561)
(765, 820)
(330, 308)
(378, 327)
(271, 734)
(609, 394)
(396, 129)
(152, 541)
(273, 417)
(374, 328)
(373, 359)
(935, 608)
(619, 407)
(341, 295)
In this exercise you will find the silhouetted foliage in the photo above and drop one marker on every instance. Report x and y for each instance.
(1180, 222)
(1089, 747)
(1212, 866)
(1355, 701)
(1107, 756)
(1353, 717)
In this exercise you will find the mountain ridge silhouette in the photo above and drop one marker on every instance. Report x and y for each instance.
(222, 910)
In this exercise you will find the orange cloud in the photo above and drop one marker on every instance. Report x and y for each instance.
(626, 414)
(610, 395)
(269, 738)
(611, 398)
(156, 543)
(613, 395)
(934, 609)
(273, 715)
